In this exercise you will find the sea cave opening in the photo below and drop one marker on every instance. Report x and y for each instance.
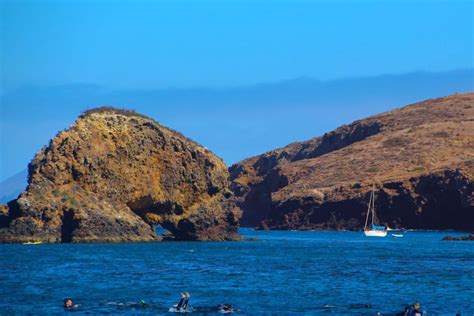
(162, 232)
(158, 215)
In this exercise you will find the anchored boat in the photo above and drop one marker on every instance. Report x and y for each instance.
(373, 230)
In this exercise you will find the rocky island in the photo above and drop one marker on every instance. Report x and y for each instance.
(112, 176)
(420, 159)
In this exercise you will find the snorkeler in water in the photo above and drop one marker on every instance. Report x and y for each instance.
(140, 304)
(183, 302)
(69, 304)
(416, 310)
(225, 308)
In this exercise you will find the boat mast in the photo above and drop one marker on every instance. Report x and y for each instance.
(368, 211)
(373, 204)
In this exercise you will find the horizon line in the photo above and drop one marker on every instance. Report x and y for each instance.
(177, 88)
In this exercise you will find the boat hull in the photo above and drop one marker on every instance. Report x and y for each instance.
(375, 233)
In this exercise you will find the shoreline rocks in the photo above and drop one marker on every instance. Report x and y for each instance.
(461, 238)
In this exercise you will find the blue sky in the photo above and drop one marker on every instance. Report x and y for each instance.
(155, 44)
(222, 72)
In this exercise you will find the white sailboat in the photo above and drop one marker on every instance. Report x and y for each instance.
(373, 230)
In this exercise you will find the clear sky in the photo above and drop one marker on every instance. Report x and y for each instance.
(154, 44)
(60, 57)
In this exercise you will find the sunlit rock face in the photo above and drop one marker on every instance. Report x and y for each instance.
(115, 174)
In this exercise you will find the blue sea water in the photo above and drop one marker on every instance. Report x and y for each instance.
(282, 272)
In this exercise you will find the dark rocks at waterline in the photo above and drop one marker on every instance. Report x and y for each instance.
(461, 238)
(417, 203)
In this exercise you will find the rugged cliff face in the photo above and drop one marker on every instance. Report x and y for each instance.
(420, 158)
(112, 176)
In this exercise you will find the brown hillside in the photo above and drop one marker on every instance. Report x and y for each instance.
(420, 157)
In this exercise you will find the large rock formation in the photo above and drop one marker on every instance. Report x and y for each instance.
(112, 176)
(420, 158)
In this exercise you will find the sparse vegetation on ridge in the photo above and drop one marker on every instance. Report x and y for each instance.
(111, 109)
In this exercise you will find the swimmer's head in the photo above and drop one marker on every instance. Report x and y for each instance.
(67, 303)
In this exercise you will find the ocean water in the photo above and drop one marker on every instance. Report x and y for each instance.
(281, 273)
